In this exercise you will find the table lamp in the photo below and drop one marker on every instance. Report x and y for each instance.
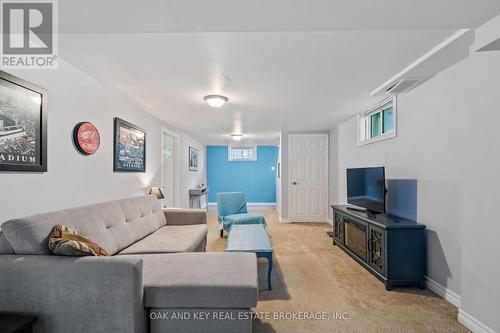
(156, 191)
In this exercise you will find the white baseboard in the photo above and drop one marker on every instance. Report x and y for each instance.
(463, 317)
(472, 323)
(284, 220)
(289, 220)
(261, 203)
(250, 203)
(445, 293)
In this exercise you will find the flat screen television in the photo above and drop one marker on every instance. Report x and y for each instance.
(366, 188)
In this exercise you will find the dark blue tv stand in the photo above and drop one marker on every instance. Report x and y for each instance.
(391, 248)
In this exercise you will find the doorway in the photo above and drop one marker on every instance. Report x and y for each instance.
(308, 177)
(170, 168)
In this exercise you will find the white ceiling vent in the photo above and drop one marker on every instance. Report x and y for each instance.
(403, 86)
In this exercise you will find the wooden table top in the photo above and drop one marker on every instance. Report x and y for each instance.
(248, 238)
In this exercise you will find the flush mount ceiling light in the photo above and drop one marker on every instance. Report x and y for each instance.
(216, 101)
(237, 137)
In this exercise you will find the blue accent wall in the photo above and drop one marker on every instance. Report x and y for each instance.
(256, 178)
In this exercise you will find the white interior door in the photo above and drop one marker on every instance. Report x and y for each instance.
(308, 170)
(168, 168)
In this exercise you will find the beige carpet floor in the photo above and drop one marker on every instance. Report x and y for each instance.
(313, 277)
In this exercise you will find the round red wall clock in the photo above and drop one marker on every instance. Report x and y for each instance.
(86, 138)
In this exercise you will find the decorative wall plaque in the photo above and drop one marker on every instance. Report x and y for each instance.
(86, 138)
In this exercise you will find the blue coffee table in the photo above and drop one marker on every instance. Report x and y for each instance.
(251, 238)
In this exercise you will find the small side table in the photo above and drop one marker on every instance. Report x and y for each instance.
(195, 196)
(16, 323)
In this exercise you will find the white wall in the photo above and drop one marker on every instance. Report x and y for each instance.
(282, 203)
(448, 141)
(73, 179)
(333, 177)
(279, 180)
(189, 179)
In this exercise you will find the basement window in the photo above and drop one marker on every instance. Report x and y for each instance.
(242, 154)
(378, 123)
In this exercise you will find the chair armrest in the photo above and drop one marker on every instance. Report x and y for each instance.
(74, 294)
(185, 216)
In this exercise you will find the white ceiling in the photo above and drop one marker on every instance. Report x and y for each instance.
(285, 65)
(271, 15)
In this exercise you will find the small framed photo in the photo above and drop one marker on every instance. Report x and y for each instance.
(129, 147)
(23, 125)
(193, 159)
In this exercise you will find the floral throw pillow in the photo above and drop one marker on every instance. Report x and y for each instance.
(65, 241)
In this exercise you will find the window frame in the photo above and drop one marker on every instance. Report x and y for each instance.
(364, 122)
(230, 156)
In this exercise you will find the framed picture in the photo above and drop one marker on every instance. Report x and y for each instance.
(86, 138)
(23, 125)
(193, 159)
(129, 147)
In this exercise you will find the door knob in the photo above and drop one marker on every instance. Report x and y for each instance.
(294, 183)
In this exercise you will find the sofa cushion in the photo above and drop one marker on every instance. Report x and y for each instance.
(169, 239)
(200, 280)
(5, 247)
(113, 225)
(65, 241)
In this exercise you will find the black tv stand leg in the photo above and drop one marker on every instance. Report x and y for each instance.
(421, 285)
(388, 285)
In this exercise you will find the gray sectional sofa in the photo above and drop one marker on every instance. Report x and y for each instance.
(155, 279)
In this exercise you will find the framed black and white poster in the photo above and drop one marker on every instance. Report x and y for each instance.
(193, 159)
(129, 147)
(23, 125)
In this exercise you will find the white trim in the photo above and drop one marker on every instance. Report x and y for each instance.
(379, 105)
(261, 203)
(329, 220)
(250, 203)
(379, 138)
(311, 220)
(473, 323)
(177, 163)
(284, 220)
(443, 292)
(289, 163)
(464, 318)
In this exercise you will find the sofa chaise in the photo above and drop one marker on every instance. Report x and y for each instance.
(156, 279)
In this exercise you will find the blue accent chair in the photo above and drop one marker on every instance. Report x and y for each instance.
(232, 209)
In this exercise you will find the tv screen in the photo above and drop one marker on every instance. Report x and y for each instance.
(366, 188)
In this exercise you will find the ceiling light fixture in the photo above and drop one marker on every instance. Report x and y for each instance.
(216, 101)
(237, 137)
